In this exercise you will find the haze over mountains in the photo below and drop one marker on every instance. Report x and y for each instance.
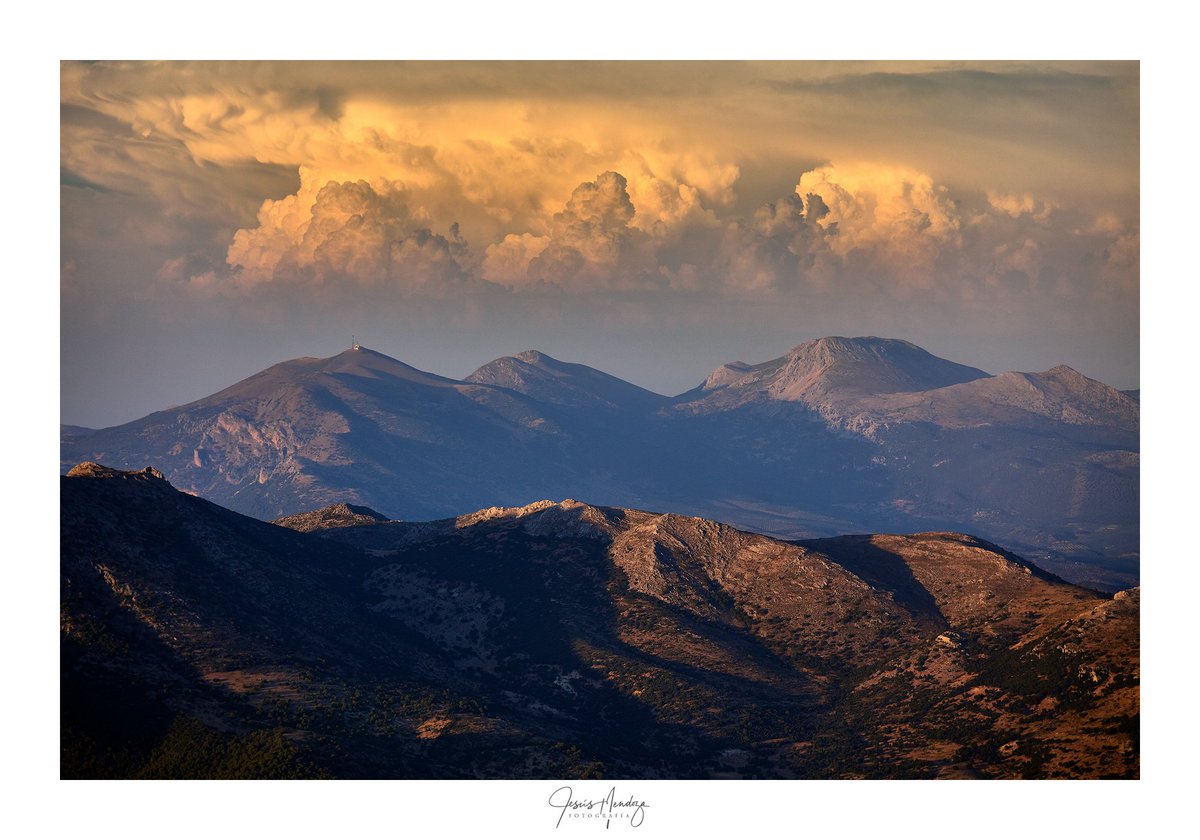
(564, 639)
(839, 435)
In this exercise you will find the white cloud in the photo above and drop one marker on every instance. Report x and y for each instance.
(350, 232)
(507, 261)
(886, 216)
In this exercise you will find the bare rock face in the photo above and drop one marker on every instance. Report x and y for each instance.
(565, 519)
(341, 515)
(90, 469)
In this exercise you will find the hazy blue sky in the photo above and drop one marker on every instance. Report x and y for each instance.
(651, 219)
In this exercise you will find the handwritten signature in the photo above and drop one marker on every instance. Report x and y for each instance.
(632, 809)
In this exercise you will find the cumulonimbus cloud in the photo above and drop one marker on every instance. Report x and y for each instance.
(592, 243)
(892, 228)
(355, 232)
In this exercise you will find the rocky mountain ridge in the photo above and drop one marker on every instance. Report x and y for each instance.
(830, 438)
(567, 639)
(340, 515)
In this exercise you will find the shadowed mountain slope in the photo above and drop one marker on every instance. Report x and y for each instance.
(358, 426)
(565, 639)
(839, 435)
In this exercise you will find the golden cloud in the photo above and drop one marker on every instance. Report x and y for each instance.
(411, 176)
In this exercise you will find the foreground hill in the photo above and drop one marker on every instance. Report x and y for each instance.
(565, 639)
(839, 435)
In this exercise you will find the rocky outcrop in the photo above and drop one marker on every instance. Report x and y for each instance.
(341, 515)
(90, 469)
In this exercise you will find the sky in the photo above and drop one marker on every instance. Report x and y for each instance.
(651, 219)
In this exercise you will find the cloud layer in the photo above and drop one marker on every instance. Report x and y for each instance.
(724, 197)
(892, 230)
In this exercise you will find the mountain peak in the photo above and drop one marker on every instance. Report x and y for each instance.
(340, 515)
(836, 366)
(536, 357)
(568, 518)
(549, 380)
(840, 344)
(90, 469)
(1067, 375)
(359, 351)
(904, 358)
(363, 361)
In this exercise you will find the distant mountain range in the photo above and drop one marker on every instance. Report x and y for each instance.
(840, 435)
(570, 640)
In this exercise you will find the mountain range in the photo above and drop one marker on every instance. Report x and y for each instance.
(839, 435)
(565, 639)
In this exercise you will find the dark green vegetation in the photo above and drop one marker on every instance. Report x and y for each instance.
(565, 640)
